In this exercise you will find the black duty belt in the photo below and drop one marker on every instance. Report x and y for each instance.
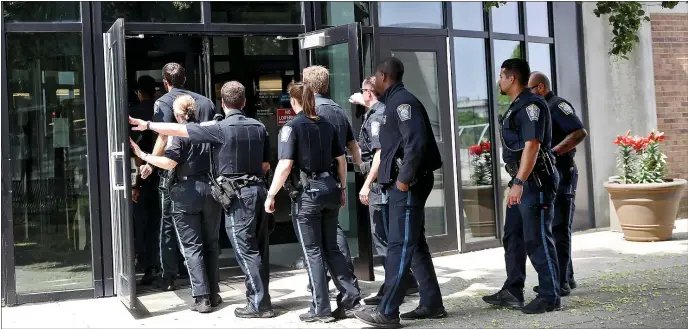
(316, 175)
(198, 177)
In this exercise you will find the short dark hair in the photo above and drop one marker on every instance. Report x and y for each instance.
(518, 68)
(233, 95)
(174, 74)
(393, 68)
(146, 85)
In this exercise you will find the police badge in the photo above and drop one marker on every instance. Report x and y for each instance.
(533, 112)
(284, 134)
(566, 108)
(404, 111)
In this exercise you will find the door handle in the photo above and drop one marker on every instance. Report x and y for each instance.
(117, 159)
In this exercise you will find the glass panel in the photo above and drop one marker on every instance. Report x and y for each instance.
(505, 19)
(472, 108)
(336, 59)
(52, 229)
(426, 15)
(263, 12)
(422, 66)
(41, 11)
(468, 16)
(537, 17)
(345, 12)
(539, 58)
(153, 11)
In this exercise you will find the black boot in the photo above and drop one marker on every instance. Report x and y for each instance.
(166, 284)
(202, 304)
(247, 313)
(215, 300)
(373, 317)
(311, 317)
(422, 312)
(345, 313)
(540, 305)
(504, 298)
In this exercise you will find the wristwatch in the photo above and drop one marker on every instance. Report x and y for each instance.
(515, 181)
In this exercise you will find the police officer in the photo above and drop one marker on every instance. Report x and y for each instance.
(409, 155)
(173, 76)
(318, 77)
(196, 214)
(567, 133)
(371, 193)
(308, 144)
(526, 138)
(242, 150)
(145, 191)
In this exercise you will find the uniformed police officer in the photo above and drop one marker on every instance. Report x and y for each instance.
(173, 76)
(371, 192)
(195, 213)
(308, 144)
(567, 133)
(526, 138)
(145, 191)
(318, 77)
(242, 150)
(409, 155)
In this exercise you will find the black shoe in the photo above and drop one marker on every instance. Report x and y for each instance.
(346, 313)
(411, 291)
(539, 305)
(373, 317)
(148, 278)
(202, 305)
(422, 312)
(375, 300)
(166, 284)
(310, 317)
(247, 313)
(573, 284)
(215, 300)
(503, 298)
(564, 291)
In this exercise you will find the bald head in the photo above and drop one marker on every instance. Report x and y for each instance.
(539, 83)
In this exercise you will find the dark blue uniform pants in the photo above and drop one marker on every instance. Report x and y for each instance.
(528, 231)
(564, 207)
(379, 227)
(147, 226)
(315, 215)
(169, 247)
(247, 228)
(408, 249)
(196, 217)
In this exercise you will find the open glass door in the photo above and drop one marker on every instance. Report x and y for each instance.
(339, 50)
(119, 163)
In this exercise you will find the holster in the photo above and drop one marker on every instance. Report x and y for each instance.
(396, 169)
(223, 190)
(169, 178)
(365, 168)
(542, 171)
(294, 184)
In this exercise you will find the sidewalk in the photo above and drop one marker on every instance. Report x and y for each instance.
(621, 284)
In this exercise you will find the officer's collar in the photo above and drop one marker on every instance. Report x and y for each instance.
(524, 93)
(232, 112)
(389, 91)
(549, 95)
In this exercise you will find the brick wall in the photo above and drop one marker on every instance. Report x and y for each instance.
(670, 59)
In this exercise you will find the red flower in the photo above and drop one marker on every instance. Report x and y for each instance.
(478, 149)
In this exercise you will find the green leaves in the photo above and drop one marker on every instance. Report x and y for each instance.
(489, 4)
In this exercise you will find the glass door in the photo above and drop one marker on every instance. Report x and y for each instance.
(425, 75)
(339, 50)
(119, 163)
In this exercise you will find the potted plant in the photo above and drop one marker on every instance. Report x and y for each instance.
(478, 198)
(645, 201)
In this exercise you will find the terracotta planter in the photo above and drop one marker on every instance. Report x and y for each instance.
(478, 202)
(646, 211)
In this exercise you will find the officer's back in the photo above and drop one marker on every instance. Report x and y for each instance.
(310, 143)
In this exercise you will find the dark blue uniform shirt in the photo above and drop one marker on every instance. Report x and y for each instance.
(241, 143)
(332, 112)
(163, 111)
(405, 132)
(311, 143)
(528, 118)
(564, 120)
(369, 137)
(192, 159)
(144, 111)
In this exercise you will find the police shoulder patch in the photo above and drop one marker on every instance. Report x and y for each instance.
(375, 128)
(156, 107)
(284, 134)
(404, 112)
(208, 123)
(533, 112)
(566, 108)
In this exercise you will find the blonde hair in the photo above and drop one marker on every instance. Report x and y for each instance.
(318, 77)
(185, 107)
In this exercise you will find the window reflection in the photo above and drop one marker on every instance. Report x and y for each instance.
(473, 113)
(50, 201)
(537, 16)
(505, 18)
(41, 11)
(152, 11)
(467, 16)
(345, 12)
(257, 12)
(426, 15)
(539, 58)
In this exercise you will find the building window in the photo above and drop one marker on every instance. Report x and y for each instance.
(503, 50)
(473, 114)
(537, 16)
(427, 15)
(41, 11)
(50, 206)
(539, 58)
(505, 19)
(345, 12)
(467, 16)
(153, 11)
(257, 12)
